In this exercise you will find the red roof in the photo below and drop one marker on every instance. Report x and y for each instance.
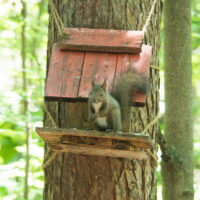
(71, 71)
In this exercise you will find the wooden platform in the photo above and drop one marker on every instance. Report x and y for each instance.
(90, 142)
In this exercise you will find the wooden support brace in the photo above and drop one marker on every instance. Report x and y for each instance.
(90, 150)
(91, 142)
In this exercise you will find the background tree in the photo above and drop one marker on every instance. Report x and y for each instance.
(22, 54)
(91, 177)
(177, 168)
(25, 99)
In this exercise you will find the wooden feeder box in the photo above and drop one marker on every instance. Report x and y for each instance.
(90, 142)
(95, 54)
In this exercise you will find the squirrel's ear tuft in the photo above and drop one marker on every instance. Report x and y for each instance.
(104, 85)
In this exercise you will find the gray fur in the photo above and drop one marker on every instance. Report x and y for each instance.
(111, 106)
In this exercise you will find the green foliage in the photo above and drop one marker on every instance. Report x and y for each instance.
(196, 42)
(12, 120)
(196, 78)
(195, 24)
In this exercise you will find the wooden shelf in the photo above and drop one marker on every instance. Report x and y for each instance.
(91, 142)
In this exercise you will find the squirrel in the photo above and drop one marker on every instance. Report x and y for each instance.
(109, 111)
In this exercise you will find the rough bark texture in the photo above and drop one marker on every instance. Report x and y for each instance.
(177, 171)
(78, 177)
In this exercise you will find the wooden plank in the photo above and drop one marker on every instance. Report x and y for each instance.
(143, 64)
(89, 150)
(142, 67)
(97, 67)
(66, 67)
(73, 63)
(48, 135)
(99, 142)
(64, 73)
(102, 145)
(102, 40)
(53, 84)
(125, 63)
(85, 140)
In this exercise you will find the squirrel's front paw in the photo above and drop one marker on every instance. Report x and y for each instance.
(92, 117)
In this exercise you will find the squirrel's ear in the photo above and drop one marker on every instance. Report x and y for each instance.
(104, 85)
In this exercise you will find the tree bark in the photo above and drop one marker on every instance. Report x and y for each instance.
(79, 177)
(177, 170)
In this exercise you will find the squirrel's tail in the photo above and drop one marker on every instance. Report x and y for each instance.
(130, 83)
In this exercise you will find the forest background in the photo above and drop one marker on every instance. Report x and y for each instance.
(21, 96)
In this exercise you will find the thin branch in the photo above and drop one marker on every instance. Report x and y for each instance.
(25, 100)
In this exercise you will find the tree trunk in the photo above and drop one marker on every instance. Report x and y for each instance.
(177, 170)
(81, 177)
